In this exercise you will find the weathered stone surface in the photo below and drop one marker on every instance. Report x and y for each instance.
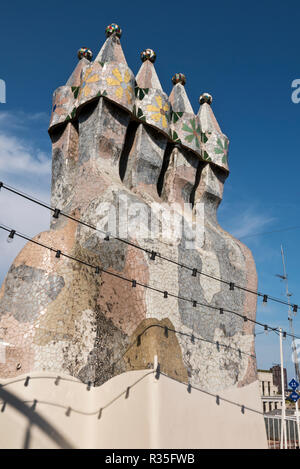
(62, 105)
(151, 104)
(154, 108)
(90, 86)
(147, 77)
(118, 83)
(145, 160)
(179, 99)
(111, 51)
(214, 142)
(27, 291)
(180, 177)
(75, 77)
(153, 338)
(143, 97)
(108, 161)
(102, 130)
(64, 161)
(185, 128)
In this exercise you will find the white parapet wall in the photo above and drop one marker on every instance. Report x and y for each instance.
(138, 411)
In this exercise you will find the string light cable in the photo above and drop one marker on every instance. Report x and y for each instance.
(232, 285)
(134, 283)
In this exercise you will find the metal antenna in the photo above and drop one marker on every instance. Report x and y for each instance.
(291, 315)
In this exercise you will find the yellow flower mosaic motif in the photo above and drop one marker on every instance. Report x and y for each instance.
(87, 79)
(122, 84)
(159, 112)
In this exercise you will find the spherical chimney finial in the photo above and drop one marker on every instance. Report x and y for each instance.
(113, 28)
(205, 98)
(85, 52)
(148, 54)
(179, 78)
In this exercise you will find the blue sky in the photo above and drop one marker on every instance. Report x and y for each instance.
(246, 54)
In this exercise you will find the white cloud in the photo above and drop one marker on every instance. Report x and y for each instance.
(23, 216)
(24, 166)
(20, 120)
(18, 156)
(248, 222)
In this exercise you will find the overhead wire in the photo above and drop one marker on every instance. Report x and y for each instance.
(135, 283)
(195, 271)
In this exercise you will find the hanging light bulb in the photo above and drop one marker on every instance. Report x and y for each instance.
(11, 235)
(266, 329)
(56, 213)
(153, 255)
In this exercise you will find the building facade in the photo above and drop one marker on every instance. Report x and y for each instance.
(270, 396)
(276, 372)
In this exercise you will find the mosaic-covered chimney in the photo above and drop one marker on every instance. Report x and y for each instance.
(133, 163)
